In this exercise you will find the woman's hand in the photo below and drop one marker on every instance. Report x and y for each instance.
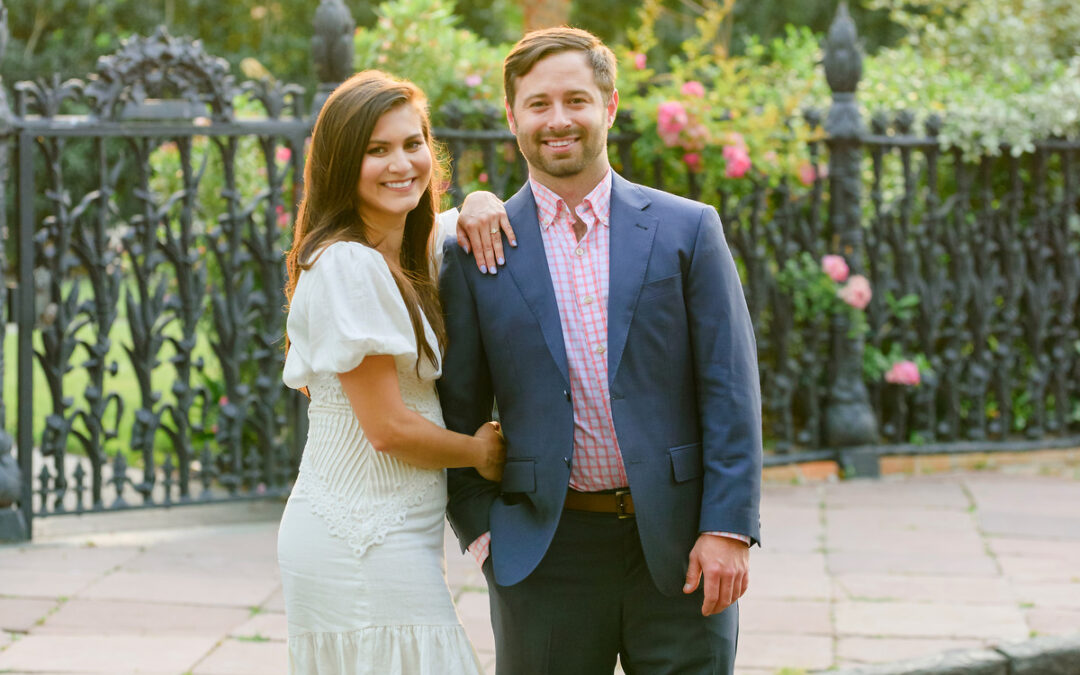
(480, 224)
(492, 456)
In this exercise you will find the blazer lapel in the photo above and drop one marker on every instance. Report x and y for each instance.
(527, 264)
(632, 233)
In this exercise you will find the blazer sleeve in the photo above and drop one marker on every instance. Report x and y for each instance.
(728, 389)
(465, 392)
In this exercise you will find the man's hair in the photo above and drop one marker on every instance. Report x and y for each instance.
(543, 43)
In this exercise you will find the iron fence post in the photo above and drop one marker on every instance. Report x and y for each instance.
(331, 49)
(13, 526)
(850, 425)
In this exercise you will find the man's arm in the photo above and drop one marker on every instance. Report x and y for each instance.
(729, 409)
(466, 395)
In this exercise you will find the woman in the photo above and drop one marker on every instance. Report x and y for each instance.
(361, 539)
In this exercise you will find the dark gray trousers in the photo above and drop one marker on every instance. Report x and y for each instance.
(592, 599)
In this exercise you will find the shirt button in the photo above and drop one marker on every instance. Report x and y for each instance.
(600, 349)
(579, 252)
(587, 300)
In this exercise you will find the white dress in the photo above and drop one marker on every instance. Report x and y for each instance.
(361, 541)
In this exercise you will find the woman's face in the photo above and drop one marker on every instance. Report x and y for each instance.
(395, 170)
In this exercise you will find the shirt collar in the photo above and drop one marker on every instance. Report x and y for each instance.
(550, 205)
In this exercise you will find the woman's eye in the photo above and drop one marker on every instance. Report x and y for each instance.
(375, 151)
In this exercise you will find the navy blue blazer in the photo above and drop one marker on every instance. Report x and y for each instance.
(682, 369)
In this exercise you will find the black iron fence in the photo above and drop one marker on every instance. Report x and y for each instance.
(145, 211)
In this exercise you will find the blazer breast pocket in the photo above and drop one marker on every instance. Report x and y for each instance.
(666, 287)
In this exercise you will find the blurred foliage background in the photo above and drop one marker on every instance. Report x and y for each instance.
(67, 36)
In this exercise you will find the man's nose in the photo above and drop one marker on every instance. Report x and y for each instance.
(559, 118)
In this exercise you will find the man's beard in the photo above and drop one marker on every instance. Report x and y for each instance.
(591, 146)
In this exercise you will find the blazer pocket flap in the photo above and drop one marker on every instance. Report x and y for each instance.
(686, 462)
(519, 475)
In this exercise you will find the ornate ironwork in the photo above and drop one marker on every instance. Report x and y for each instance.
(161, 67)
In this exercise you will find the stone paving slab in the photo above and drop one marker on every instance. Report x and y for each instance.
(783, 650)
(269, 625)
(79, 616)
(1053, 621)
(850, 573)
(106, 654)
(26, 583)
(19, 615)
(788, 575)
(240, 657)
(1045, 526)
(900, 562)
(797, 617)
(923, 588)
(861, 650)
(230, 591)
(860, 520)
(930, 620)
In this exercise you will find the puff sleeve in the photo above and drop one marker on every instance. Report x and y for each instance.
(345, 308)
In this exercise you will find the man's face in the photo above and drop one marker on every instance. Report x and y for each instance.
(561, 118)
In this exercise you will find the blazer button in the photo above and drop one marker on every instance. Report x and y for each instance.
(566, 394)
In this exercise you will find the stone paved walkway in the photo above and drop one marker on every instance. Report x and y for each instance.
(851, 573)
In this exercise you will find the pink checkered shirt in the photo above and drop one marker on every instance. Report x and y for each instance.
(580, 274)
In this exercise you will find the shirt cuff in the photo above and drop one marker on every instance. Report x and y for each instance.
(480, 549)
(730, 535)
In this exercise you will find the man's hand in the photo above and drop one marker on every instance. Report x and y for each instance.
(481, 221)
(725, 563)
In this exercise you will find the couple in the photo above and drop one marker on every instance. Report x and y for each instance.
(615, 518)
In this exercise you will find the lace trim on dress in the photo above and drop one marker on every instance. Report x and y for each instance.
(363, 523)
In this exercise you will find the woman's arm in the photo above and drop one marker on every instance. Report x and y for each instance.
(391, 427)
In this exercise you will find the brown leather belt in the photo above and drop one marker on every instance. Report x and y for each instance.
(619, 502)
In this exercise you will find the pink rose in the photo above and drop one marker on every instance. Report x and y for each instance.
(283, 154)
(695, 138)
(856, 292)
(807, 174)
(694, 88)
(736, 139)
(473, 81)
(483, 177)
(671, 119)
(639, 61)
(693, 162)
(905, 373)
(283, 217)
(835, 267)
(738, 161)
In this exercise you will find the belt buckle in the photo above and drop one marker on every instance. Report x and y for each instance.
(620, 504)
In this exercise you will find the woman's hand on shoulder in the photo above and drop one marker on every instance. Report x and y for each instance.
(492, 456)
(480, 225)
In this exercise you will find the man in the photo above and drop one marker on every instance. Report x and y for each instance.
(618, 347)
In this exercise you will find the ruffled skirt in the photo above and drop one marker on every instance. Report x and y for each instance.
(386, 612)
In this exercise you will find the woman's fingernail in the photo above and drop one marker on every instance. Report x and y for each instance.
(501, 261)
(494, 270)
(513, 242)
(483, 269)
(465, 248)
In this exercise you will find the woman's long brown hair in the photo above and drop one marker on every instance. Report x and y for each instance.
(330, 209)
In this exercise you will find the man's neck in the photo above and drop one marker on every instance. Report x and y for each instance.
(571, 189)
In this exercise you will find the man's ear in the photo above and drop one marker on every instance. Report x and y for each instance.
(612, 107)
(510, 116)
